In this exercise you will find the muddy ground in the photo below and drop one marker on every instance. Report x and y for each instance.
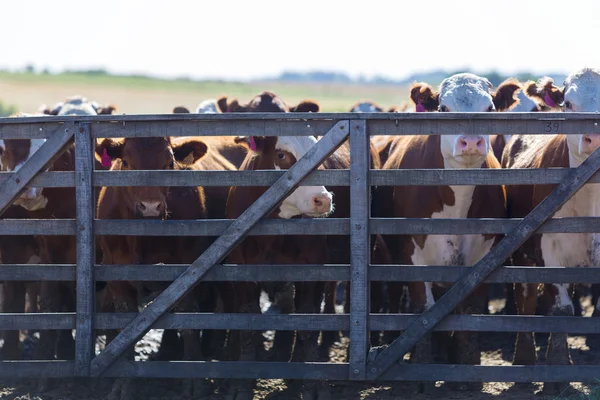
(497, 349)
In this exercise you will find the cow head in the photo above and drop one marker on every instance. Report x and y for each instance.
(464, 93)
(161, 153)
(267, 102)
(581, 93)
(281, 153)
(366, 107)
(78, 105)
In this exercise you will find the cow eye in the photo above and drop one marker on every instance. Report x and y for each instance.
(568, 105)
(124, 163)
(281, 156)
(443, 109)
(490, 108)
(172, 164)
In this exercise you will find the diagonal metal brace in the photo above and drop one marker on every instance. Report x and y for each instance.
(383, 358)
(221, 247)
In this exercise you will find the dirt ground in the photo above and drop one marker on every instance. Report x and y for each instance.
(497, 349)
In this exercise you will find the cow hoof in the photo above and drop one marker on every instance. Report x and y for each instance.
(240, 390)
(123, 389)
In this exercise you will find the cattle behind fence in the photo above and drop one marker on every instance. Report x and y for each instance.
(334, 129)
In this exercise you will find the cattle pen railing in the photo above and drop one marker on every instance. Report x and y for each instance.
(334, 129)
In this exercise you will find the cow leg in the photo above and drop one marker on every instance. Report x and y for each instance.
(308, 301)
(283, 344)
(125, 300)
(557, 352)
(377, 304)
(465, 345)
(14, 302)
(328, 338)
(421, 295)
(65, 348)
(247, 299)
(394, 293)
(192, 388)
(526, 303)
(510, 307)
(596, 299)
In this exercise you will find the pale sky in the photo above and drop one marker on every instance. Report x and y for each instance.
(235, 39)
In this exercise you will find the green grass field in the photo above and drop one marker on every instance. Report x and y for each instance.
(144, 95)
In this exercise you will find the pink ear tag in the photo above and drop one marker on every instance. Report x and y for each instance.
(549, 100)
(252, 143)
(106, 160)
(228, 109)
(419, 107)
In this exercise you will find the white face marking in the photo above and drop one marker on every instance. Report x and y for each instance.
(582, 91)
(207, 107)
(301, 200)
(525, 104)
(77, 109)
(563, 300)
(429, 299)
(364, 107)
(464, 93)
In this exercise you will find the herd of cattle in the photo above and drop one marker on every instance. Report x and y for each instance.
(458, 93)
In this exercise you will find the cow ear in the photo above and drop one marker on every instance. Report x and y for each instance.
(423, 94)
(545, 90)
(113, 148)
(254, 143)
(56, 109)
(306, 106)
(222, 104)
(108, 110)
(505, 96)
(181, 110)
(190, 151)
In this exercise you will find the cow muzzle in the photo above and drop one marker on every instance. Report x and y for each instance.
(150, 208)
(590, 142)
(470, 145)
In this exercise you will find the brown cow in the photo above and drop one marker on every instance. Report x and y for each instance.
(458, 93)
(581, 93)
(179, 203)
(234, 152)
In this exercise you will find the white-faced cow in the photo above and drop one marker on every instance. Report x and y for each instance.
(581, 93)
(458, 93)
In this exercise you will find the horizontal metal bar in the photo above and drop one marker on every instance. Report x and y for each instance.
(308, 226)
(269, 227)
(230, 370)
(488, 373)
(300, 273)
(310, 322)
(478, 176)
(465, 226)
(408, 177)
(310, 371)
(274, 116)
(214, 178)
(35, 369)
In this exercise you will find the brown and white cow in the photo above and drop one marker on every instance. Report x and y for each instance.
(581, 93)
(458, 93)
(179, 203)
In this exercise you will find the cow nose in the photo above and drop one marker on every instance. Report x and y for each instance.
(29, 194)
(322, 204)
(470, 145)
(591, 141)
(150, 208)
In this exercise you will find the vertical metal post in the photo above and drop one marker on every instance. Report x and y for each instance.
(360, 248)
(86, 252)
